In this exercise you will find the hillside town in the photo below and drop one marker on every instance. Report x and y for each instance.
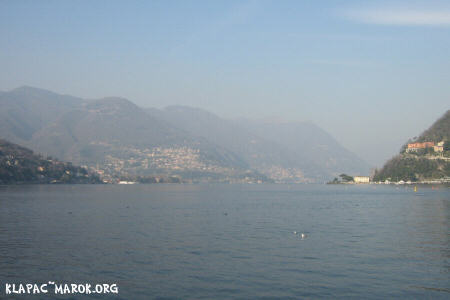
(167, 164)
(153, 161)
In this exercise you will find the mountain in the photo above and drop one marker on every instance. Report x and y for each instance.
(310, 146)
(421, 161)
(121, 139)
(439, 131)
(253, 149)
(21, 165)
(112, 134)
(283, 151)
(26, 110)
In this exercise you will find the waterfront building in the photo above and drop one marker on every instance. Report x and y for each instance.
(361, 179)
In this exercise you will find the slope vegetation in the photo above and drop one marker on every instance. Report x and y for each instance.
(421, 164)
(21, 165)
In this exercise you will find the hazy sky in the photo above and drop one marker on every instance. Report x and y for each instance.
(372, 73)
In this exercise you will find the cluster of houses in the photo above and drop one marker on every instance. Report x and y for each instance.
(413, 147)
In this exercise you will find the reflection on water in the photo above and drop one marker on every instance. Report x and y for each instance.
(229, 241)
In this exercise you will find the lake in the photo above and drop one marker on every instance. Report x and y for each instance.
(228, 241)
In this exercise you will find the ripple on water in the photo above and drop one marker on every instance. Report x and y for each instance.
(177, 242)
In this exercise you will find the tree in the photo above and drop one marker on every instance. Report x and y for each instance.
(447, 146)
(346, 177)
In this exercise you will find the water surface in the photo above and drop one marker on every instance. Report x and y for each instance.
(229, 241)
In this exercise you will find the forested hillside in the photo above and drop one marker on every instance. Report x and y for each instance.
(424, 158)
(21, 165)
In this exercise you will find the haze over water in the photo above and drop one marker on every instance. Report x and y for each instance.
(230, 241)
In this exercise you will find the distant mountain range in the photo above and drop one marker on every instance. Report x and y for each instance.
(284, 151)
(425, 162)
(117, 137)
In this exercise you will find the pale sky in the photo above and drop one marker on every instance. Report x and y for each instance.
(371, 73)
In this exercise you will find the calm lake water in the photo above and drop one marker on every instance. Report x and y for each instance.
(228, 241)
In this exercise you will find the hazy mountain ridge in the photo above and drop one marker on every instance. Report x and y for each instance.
(26, 110)
(117, 136)
(297, 151)
(223, 132)
(310, 146)
(111, 133)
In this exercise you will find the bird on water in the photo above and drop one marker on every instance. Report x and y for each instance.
(302, 235)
